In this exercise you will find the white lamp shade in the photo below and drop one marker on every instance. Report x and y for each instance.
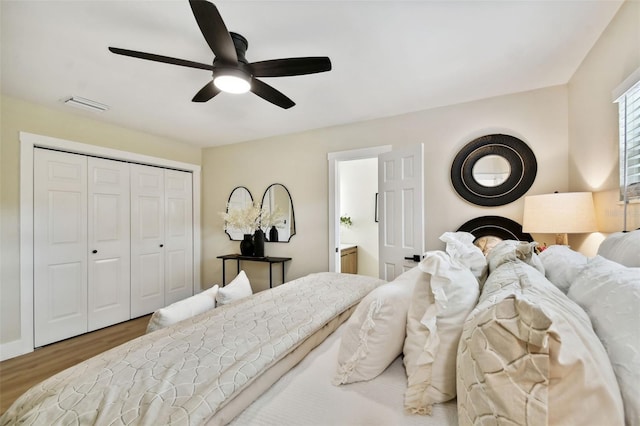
(559, 213)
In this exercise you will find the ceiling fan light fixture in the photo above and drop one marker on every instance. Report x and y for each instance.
(232, 81)
(231, 72)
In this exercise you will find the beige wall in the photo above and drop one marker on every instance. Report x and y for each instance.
(300, 163)
(593, 121)
(19, 116)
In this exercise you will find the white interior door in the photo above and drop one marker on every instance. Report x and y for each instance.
(400, 209)
(108, 242)
(147, 239)
(178, 235)
(60, 245)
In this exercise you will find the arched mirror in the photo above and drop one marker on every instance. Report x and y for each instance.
(278, 220)
(240, 198)
(494, 170)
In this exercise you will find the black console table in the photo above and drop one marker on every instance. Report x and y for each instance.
(267, 259)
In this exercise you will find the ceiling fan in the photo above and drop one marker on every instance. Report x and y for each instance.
(231, 71)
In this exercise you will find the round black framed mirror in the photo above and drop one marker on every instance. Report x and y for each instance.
(490, 230)
(495, 226)
(494, 170)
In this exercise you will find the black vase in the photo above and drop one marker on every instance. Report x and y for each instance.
(273, 234)
(258, 243)
(246, 245)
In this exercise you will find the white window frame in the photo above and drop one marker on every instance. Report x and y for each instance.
(627, 96)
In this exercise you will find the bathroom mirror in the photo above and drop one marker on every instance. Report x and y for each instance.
(278, 222)
(493, 170)
(239, 198)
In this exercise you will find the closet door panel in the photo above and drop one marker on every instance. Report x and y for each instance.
(109, 296)
(60, 246)
(179, 236)
(147, 239)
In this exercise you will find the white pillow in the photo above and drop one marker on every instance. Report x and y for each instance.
(622, 247)
(237, 289)
(374, 334)
(438, 309)
(183, 309)
(460, 247)
(562, 265)
(610, 294)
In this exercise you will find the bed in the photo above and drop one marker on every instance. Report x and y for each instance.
(510, 338)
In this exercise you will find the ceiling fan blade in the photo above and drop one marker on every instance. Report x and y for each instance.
(160, 58)
(270, 94)
(207, 92)
(214, 30)
(291, 66)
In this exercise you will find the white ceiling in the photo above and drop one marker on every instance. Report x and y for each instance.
(389, 58)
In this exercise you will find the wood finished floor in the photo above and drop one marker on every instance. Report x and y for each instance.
(20, 373)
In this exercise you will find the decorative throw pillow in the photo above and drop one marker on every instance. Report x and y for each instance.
(183, 309)
(237, 289)
(460, 246)
(562, 265)
(610, 294)
(511, 250)
(487, 243)
(374, 334)
(438, 309)
(529, 356)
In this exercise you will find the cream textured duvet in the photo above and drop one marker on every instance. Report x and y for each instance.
(185, 373)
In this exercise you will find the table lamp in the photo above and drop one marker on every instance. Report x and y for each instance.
(560, 214)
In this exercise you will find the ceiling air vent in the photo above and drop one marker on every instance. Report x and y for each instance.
(86, 104)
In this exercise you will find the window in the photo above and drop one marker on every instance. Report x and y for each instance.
(629, 113)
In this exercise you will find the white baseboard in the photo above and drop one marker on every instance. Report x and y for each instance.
(14, 348)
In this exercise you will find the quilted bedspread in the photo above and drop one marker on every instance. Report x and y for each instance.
(183, 374)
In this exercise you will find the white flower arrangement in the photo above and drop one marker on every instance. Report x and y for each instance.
(245, 219)
(251, 217)
(271, 218)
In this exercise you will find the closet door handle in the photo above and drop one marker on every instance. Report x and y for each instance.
(94, 251)
(161, 245)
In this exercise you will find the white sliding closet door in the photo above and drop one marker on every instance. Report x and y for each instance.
(147, 239)
(108, 243)
(178, 235)
(60, 245)
(161, 237)
(112, 241)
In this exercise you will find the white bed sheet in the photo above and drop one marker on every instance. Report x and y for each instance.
(305, 397)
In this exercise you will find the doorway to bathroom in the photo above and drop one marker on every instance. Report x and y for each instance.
(396, 194)
(353, 184)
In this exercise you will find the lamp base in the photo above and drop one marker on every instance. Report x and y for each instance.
(562, 240)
